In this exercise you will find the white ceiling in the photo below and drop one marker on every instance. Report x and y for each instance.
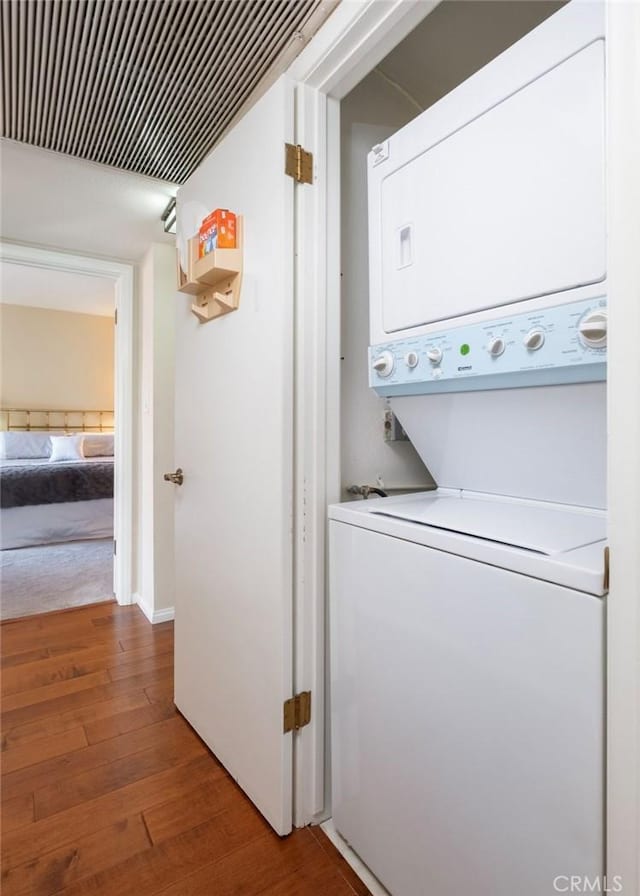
(58, 290)
(49, 199)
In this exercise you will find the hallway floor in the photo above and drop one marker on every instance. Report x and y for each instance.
(107, 790)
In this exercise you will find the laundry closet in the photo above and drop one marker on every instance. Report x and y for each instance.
(467, 662)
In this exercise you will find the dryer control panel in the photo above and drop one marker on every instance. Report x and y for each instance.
(562, 344)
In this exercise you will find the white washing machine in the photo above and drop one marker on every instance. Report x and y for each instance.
(467, 624)
(467, 664)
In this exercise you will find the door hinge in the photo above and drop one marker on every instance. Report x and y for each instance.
(605, 578)
(297, 711)
(115, 317)
(115, 547)
(298, 163)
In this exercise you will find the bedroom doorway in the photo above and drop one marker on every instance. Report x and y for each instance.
(67, 515)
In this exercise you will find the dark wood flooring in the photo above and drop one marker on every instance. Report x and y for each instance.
(107, 790)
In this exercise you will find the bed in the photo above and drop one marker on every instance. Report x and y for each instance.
(43, 500)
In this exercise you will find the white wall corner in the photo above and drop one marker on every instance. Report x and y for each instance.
(155, 570)
(154, 616)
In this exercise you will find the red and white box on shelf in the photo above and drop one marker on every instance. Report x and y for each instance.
(217, 231)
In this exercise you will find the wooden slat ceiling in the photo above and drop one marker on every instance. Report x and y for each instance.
(144, 85)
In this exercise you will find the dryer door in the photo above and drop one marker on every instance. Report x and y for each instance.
(508, 207)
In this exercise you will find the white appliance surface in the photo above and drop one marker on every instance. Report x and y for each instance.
(540, 529)
(478, 176)
(575, 538)
(470, 202)
(546, 443)
(467, 717)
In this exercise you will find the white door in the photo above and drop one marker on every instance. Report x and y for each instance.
(234, 441)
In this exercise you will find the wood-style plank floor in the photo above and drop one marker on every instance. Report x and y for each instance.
(107, 790)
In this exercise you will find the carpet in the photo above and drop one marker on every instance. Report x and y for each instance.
(55, 576)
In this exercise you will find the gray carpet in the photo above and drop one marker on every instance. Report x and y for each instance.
(55, 576)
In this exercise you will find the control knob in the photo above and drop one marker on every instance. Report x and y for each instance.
(411, 360)
(534, 340)
(384, 364)
(434, 355)
(496, 347)
(593, 329)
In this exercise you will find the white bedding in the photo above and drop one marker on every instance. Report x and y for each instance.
(22, 527)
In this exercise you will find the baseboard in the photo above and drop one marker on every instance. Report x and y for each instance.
(372, 883)
(154, 616)
(166, 615)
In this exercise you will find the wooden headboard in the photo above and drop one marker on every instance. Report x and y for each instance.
(31, 420)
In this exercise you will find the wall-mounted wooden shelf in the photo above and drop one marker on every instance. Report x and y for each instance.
(186, 279)
(215, 280)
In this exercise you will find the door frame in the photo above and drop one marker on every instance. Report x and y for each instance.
(353, 40)
(122, 276)
(623, 386)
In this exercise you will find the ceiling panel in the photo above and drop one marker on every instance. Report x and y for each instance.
(145, 85)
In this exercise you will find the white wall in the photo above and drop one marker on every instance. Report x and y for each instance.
(157, 297)
(371, 112)
(53, 200)
(56, 360)
(457, 39)
(58, 202)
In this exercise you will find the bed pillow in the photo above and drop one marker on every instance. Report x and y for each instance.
(24, 445)
(66, 448)
(98, 445)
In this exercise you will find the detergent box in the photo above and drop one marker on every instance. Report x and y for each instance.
(217, 231)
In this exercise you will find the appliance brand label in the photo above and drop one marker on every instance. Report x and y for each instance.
(467, 367)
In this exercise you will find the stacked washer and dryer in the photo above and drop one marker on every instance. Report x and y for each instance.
(467, 623)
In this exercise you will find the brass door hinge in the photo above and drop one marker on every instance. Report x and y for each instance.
(298, 163)
(605, 580)
(115, 316)
(297, 711)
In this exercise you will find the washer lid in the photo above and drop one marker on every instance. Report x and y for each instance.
(542, 530)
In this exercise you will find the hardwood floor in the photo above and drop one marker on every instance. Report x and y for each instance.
(107, 790)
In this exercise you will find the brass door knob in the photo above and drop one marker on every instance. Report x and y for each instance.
(177, 478)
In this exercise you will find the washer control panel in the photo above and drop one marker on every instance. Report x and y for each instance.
(563, 344)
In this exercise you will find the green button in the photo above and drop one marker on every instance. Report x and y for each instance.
(464, 349)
